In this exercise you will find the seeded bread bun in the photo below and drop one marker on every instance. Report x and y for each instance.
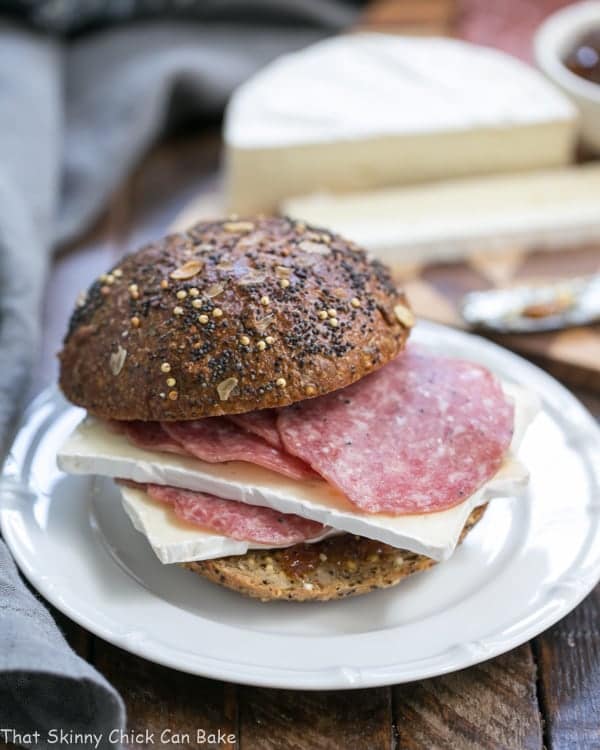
(228, 317)
(334, 568)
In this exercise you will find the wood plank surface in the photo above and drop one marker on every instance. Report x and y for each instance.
(492, 705)
(298, 720)
(168, 708)
(409, 16)
(568, 658)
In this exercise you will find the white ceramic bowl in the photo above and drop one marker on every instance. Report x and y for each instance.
(552, 43)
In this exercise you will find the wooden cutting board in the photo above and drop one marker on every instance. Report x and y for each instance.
(435, 291)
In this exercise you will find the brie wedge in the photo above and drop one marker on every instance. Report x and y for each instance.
(94, 448)
(368, 110)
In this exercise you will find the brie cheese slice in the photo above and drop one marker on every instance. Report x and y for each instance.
(448, 220)
(94, 448)
(174, 540)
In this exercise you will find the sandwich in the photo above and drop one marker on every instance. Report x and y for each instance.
(250, 388)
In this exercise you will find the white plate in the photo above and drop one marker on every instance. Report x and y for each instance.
(527, 564)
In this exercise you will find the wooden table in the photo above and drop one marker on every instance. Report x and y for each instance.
(543, 694)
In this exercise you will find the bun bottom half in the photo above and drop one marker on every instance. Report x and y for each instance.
(334, 568)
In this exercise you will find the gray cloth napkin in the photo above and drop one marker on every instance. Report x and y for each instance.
(74, 118)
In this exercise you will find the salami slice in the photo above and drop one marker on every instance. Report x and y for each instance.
(419, 435)
(236, 520)
(150, 436)
(262, 423)
(216, 439)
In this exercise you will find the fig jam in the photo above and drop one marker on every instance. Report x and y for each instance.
(584, 57)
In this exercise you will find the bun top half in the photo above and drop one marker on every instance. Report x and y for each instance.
(228, 317)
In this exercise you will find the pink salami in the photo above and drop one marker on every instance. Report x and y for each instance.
(419, 435)
(262, 423)
(236, 520)
(150, 436)
(216, 439)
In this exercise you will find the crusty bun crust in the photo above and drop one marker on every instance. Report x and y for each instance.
(229, 317)
(336, 567)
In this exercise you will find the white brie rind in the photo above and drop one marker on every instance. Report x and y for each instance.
(174, 540)
(370, 84)
(94, 448)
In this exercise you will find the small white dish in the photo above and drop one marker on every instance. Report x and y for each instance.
(552, 42)
(526, 564)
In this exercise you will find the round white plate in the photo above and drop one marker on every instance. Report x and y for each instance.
(528, 563)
